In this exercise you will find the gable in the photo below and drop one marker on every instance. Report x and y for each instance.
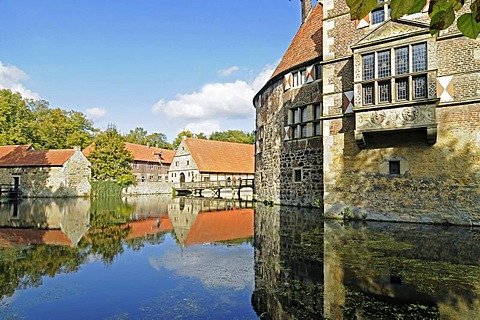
(393, 30)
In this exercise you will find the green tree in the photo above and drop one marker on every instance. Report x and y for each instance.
(138, 136)
(16, 119)
(186, 133)
(141, 136)
(158, 140)
(110, 160)
(442, 13)
(28, 121)
(59, 129)
(234, 136)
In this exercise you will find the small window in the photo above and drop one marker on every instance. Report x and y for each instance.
(303, 76)
(368, 66)
(297, 175)
(295, 79)
(303, 131)
(383, 64)
(317, 111)
(304, 114)
(294, 132)
(176, 163)
(368, 93)
(419, 87)
(318, 71)
(394, 167)
(317, 129)
(378, 15)
(402, 89)
(384, 91)
(419, 57)
(188, 162)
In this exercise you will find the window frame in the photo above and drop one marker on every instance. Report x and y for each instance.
(303, 121)
(384, 88)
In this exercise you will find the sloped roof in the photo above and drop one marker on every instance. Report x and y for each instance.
(142, 228)
(219, 156)
(12, 236)
(221, 226)
(307, 43)
(142, 153)
(25, 156)
(4, 150)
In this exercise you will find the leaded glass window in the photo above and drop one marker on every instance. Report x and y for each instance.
(384, 91)
(368, 93)
(402, 89)
(383, 64)
(368, 66)
(401, 60)
(378, 15)
(419, 87)
(304, 114)
(419, 55)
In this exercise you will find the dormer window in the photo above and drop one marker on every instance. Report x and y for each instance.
(397, 74)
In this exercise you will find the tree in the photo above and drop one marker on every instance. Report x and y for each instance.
(28, 121)
(234, 136)
(141, 136)
(186, 133)
(441, 12)
(16, 119)
(59, 129)
(110, 160)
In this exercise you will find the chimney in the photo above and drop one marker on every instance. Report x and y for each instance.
(306, 8)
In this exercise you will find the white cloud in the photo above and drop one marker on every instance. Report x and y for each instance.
(202, 127)
(11, 78)
(216, 104)
(96, 113)
(215, 268)
(227, 72)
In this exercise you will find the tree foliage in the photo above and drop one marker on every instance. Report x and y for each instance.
(442, 13)
(110, 160)
(186, 133)
(26, 121)
(140, 136)
(234, 136)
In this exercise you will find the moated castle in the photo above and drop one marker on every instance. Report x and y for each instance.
(372, 119)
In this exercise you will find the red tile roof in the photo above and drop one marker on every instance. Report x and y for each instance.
(142, 228)
(11, 236)
(221, 226)
(26, 156)
(307, 43)
(219, 156)
(143, 153)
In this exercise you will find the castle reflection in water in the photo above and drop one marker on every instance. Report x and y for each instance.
(305, 267)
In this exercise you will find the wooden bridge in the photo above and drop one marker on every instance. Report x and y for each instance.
(10, 190)
(197, 187)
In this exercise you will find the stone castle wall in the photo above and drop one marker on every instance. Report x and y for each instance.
(438, 183)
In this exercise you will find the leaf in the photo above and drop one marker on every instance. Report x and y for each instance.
(475, 8)
(468, 25)
(360, 8)
(402, 7)
(442, 17)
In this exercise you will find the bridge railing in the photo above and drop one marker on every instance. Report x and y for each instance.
(240, 183)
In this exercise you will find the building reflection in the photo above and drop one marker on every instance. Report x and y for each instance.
(310, 269)
(204, 220)
(44, 221)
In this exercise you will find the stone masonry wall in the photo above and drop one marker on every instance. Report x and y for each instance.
(438, 183)
(277, 158)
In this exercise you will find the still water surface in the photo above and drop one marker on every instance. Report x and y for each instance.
(153, 257)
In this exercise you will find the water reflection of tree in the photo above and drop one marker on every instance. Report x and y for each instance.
(23, 267)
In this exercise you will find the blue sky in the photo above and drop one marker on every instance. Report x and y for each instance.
(161, 65)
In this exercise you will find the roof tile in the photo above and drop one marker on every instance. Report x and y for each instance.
(307, 43)
(219, 156)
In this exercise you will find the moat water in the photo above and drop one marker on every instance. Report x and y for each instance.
(153, 257)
